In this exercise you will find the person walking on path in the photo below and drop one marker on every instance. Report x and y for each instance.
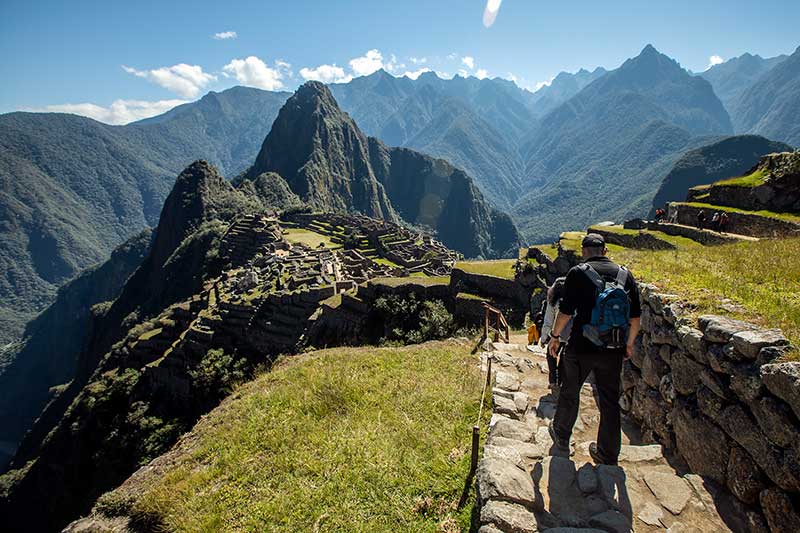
(723, 222)
(701, 219)
(554, 295)
(602, 300)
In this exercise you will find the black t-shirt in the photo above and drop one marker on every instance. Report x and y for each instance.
(579, 299)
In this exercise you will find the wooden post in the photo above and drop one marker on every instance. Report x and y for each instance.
(476, 436)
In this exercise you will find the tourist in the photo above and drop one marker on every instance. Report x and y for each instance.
(723, 222)
(554, 295)
(715, 221)
(701, 219)
(595, 346)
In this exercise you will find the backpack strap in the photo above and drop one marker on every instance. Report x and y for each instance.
(593, 276)
(622, 276)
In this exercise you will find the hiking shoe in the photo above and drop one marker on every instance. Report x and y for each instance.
(559, 442)
(598, 459)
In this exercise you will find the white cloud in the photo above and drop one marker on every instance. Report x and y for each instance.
(418, 60)
(510, 76)
(545, 83)
(452, 57)
(184, 80)
(714, 60)
(463, 73)
(481, 73)
(325, 74)
(367, 64)
(253, 72)
(469, 61)
(490, 12)
(416, 73)
(119, 112)
(223, 35)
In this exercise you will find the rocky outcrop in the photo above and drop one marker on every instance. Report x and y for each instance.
(731, 156)
(776, 189)
(716, 393)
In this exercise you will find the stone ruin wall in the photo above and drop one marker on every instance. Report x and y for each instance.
(713, 391)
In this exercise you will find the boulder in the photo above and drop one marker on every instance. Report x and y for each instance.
(506, 406)
(779, 511)
(750, 343)
(500, 479)
(776, 421)
(511, 429)
(746, 382)
(640, 454)
(741, 427)
(692, 341)
(709, 403)
(701, 443)
(507, 381)
(510, 517)
(526, 450)
(717, 359)
(651, 514)
(671, 491)
(770, 354)
(685, 374)
(654, 368)
(783, 380)
(744, 477)
(720, 329)
(715, 384)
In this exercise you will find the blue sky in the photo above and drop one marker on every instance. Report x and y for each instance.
(119, 61)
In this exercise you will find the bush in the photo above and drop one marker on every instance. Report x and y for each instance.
(408, 320)
(217, 374)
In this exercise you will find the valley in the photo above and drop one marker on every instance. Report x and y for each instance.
(273, 310)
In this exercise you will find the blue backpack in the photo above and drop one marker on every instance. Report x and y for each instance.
(608, 327)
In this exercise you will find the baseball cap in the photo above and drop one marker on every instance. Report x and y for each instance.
(593, 240)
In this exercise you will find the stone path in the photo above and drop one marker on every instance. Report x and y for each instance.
(523, 487)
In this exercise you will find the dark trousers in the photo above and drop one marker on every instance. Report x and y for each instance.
(574, 369)
(554, 369)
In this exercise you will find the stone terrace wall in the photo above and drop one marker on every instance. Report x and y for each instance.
(708, 238)
(714, 393)
(741, 223)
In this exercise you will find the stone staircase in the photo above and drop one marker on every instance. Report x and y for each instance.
(524, 487)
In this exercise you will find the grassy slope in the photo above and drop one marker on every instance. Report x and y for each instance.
(761, 277)
(376, 439)
(753, 179)
(500, 268)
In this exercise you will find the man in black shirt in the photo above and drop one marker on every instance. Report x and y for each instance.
(582, 356)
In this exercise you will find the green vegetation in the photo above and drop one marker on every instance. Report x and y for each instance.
(309, 238)
(761, 277)
(753, 179)
(550, 250)
(426, 281)
(407, 320)
(386, 262)
(675, 240)
(377, 439)
(499, 268)
(470, 296)
(788, 217)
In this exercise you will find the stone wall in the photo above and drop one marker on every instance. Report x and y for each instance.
(707, 238)
(741, 223)
(640, 240)
(713, 391)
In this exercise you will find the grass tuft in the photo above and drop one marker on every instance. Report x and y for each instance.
(499, 268)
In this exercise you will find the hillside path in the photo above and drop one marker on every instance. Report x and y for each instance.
(524, 488)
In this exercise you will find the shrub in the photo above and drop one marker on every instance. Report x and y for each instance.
(408, 320)
(217, 374)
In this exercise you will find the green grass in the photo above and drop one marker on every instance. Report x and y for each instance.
(675, 240)
(426, 281)
(470, 296)
(762, 277)
(386, 262)
(788, 217)
(751, 180)
(150, 334)
(550, 250)
(309, 238)
(376, 439)
(499, 268)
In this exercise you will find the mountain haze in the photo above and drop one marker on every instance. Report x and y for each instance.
(733, 77)
(602, 154)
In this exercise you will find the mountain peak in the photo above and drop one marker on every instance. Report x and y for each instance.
(648, 50)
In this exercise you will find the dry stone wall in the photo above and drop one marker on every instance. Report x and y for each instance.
(717, 391)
